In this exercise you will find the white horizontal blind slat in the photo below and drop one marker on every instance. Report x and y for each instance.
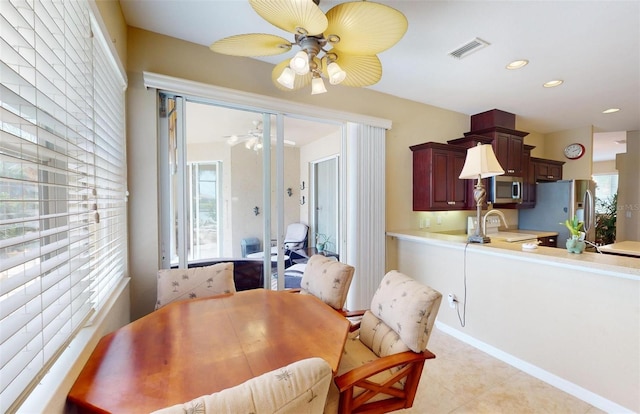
(62, 183)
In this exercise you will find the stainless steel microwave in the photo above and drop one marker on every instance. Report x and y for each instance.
(505, 189)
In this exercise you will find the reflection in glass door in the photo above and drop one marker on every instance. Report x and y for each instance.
(204, 207)
(326, 202)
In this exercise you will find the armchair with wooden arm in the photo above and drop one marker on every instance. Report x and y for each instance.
(381, 366)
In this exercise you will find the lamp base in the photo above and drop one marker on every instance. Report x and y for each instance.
(476, 238)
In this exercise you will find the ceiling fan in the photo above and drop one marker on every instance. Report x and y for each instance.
(253, 138)
(341, 45)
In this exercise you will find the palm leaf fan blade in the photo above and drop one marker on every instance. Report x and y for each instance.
(253, 44)
(361, 70)
(365, 28)
(289, 15)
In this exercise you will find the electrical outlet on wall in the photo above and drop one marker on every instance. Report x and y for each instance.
(453, 301)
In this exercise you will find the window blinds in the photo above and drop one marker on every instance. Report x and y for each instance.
(62, 183)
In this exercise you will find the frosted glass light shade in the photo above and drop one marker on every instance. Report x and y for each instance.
(300, 63)
(287, 78)
(481, 161)
(317, 86)
(336, 74)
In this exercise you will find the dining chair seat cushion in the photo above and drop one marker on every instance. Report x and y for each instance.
(408, 307)
(356, 354)
(300, 387)
(194, 282)
(327, 279)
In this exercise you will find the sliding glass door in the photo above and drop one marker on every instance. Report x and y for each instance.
(231, 182)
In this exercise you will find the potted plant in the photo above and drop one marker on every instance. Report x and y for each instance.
(576, 243)
(321, 242)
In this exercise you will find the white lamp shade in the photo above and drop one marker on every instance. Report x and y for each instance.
(287, 78)
(317, 86)
(481, 161)
(336, 74)
(299, 63)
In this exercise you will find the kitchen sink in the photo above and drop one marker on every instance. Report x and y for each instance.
(512, 237)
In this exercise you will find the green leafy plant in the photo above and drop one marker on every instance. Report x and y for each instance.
(322, 241)
(574, 225)
(322, 238)
(606, 220)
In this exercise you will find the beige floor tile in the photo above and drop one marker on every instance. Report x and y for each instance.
(463, 379)
(525, 394)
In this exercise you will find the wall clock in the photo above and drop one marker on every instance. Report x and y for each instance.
(574, 151)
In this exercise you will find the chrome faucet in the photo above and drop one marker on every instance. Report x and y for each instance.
(494, 211)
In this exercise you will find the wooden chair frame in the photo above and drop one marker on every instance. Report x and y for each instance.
(411, 363)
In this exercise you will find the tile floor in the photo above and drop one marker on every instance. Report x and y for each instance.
(463, 379)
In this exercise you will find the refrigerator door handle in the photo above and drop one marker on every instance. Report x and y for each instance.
(588, 210)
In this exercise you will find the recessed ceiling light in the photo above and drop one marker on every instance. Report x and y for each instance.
(621, 141)
(610, 110)
(553, 83)
(517, 64)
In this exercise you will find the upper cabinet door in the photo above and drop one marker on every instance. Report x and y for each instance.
(436, 185)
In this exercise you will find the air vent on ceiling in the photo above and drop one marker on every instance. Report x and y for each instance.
(468, 48)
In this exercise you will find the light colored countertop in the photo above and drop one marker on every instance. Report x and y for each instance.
(630, 247)
(622, 266)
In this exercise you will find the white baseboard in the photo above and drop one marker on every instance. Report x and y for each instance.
(537, 372)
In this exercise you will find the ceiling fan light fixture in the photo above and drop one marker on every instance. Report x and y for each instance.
(359, 30)
(300, 63)
(336, 74)
(287, 78)
(317, 85)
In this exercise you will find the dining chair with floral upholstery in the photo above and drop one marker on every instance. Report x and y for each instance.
(327, 279)
(382, 362)
(194, 282)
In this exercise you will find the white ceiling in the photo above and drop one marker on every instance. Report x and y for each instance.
(594, 46)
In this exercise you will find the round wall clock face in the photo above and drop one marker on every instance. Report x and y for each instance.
(574, 151)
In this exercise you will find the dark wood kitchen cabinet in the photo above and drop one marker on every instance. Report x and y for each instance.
(547, 170)
(508, 145)
(436, 186)
(466, 143)
(528, 179)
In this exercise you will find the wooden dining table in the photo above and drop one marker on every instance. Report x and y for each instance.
(197, 347)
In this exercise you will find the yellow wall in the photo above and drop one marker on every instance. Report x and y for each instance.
(573, 169)
(111, 14)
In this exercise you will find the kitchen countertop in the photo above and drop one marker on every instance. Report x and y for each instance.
(622, 266)
(630, 247)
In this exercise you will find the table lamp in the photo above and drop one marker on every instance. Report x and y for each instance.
(481, 162)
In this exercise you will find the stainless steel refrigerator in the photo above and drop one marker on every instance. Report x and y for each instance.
(558, 201)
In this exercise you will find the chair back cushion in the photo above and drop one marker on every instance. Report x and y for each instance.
(300, 387)
(378, 337)
(296, 236)
(327, 279)
(195, 282)
(408, 307)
